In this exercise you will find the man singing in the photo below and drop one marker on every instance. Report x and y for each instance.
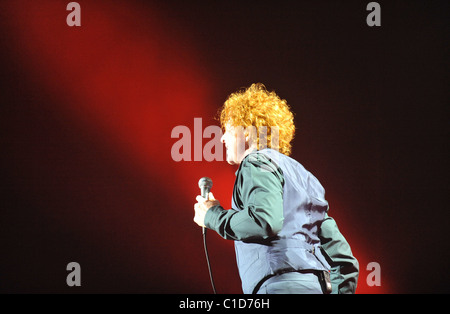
(285, 242)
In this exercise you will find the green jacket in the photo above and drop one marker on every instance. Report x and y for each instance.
(344, 266)
(259, 194)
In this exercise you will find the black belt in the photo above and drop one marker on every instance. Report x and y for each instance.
(323, 275)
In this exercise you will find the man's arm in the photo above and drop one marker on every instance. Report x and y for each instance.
(260, 186)
(344, 266)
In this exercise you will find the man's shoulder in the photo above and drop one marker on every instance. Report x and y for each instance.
(259, 163)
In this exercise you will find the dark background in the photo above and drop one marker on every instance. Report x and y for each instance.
(85, 128)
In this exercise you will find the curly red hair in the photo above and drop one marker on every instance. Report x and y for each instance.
(256, 106)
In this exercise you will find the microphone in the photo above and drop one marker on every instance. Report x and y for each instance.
(205, 185)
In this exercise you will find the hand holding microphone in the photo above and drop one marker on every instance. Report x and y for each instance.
(204, 201)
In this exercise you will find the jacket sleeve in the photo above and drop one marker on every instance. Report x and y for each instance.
(344, 266)
(260, 186)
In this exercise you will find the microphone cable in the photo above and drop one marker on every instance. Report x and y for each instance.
(207, 260)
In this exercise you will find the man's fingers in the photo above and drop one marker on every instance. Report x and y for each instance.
(200, 199)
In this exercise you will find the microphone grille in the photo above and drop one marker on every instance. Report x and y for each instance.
(205, 182)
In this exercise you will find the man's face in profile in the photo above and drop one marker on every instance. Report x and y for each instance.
(235, 143)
